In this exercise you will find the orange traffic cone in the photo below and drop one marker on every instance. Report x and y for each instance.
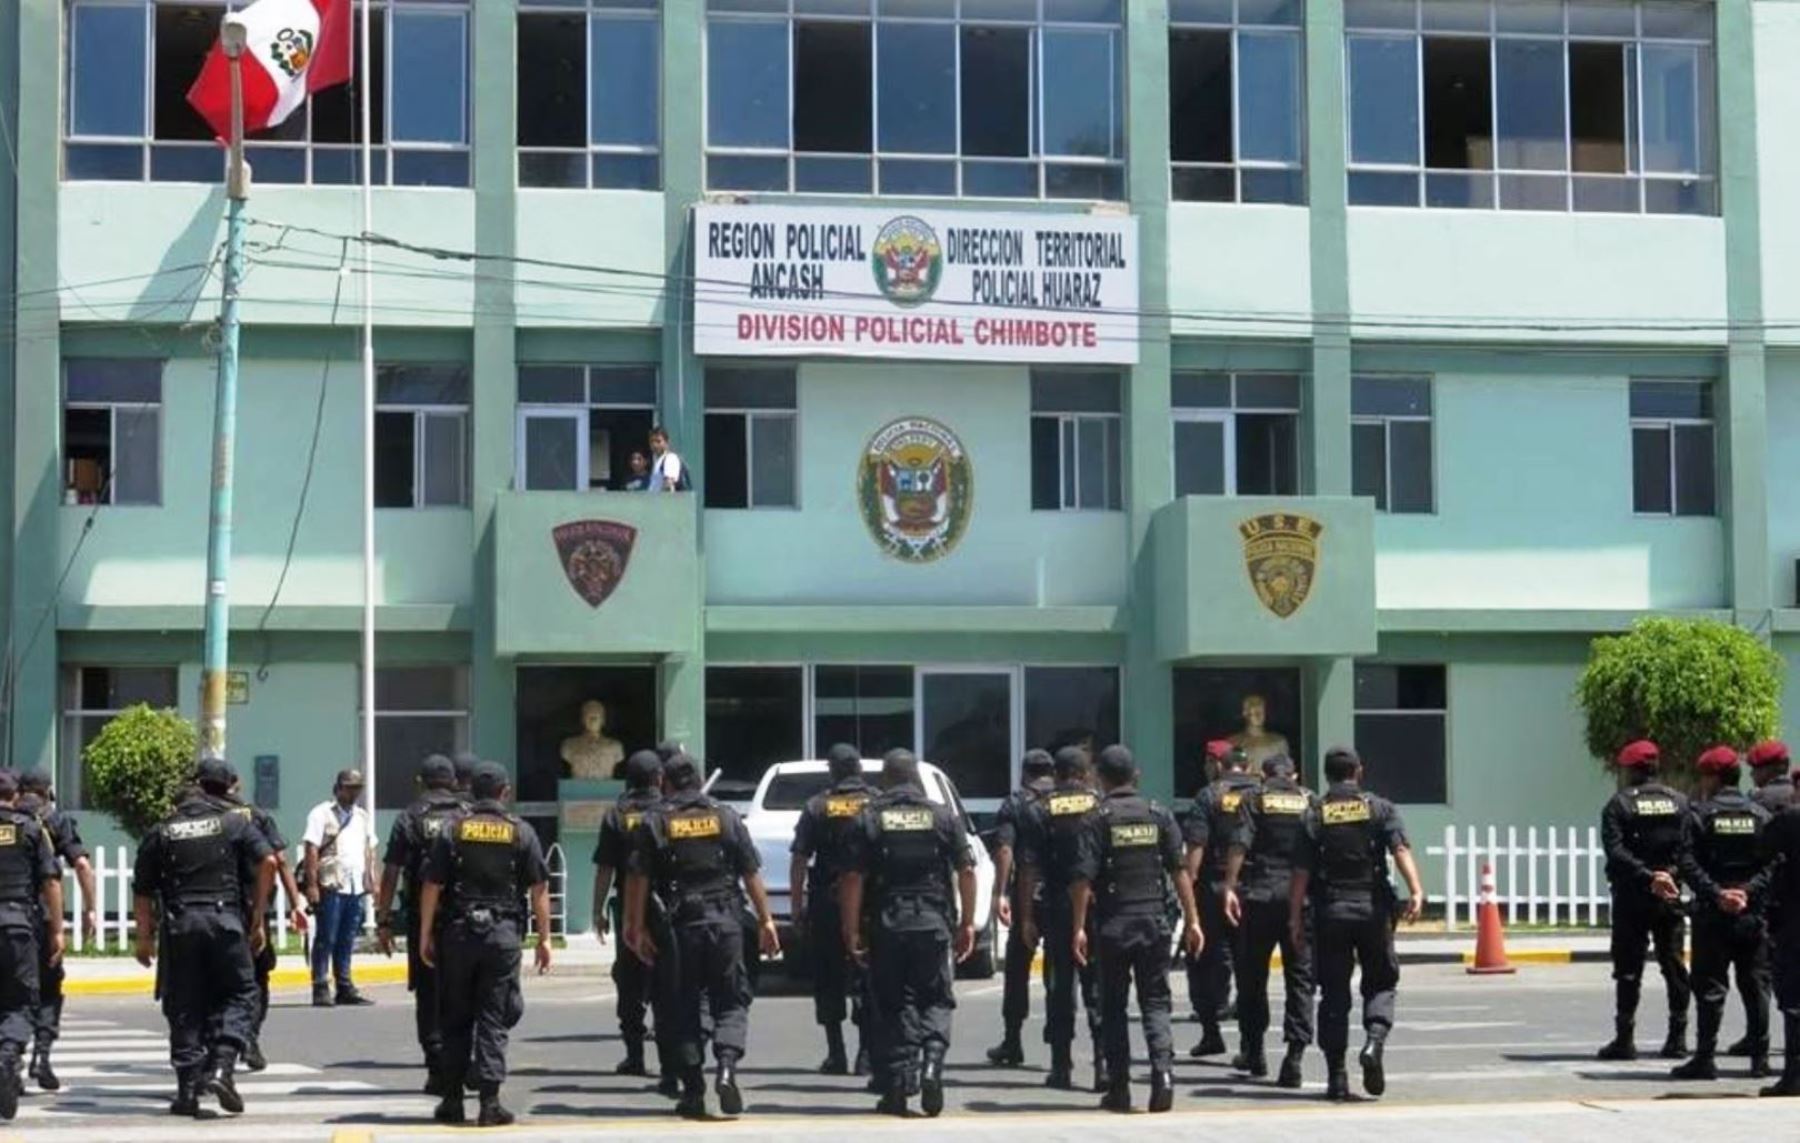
(1490, 935)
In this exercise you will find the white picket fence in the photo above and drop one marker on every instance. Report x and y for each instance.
(113, 912)
(1549, 875)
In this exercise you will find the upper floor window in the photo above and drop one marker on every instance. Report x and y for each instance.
(112, 431)
(583, 427)
(131, 62)
(1236, 434)
(1672, 471)
(589, 93)
(752, 438)
(1235, 97)
(1390, 442)
(421, 436)
(979, 98)
(1589, 105)
(1075, 441)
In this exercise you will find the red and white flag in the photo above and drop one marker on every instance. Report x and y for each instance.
(293, 48)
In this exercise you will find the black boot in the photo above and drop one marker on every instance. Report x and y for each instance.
(1008, 1053)
(187, 1093)
(1700, 1067)
(349, 997)
(224, 1081)
(493, 1113)
(669, 1085)
(1162, 1089)
(836, 1062)
(1062, 1069)
(1211, 1042)
(633, 1063)
(253, 1058)
(1118, 1095)
(1675, 1044)
(893, 1102)
(931, 1083)
(1789, 1083)
(450, 1107)
(1292, 1072)
(1102, 1074)
(1337, 1080)
(693, 1095)
(321, 996)
(1759, 1064)
(41, 1073)
(10, 1085)
(1374, 1073)
(1250, 1058)
(1741, 1047)
(1706, 1040)
(731, 1100)
(1622, 1046)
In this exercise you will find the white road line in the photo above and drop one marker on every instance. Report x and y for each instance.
(315, 1110)
(129, 1071)
(134, 1043)
(165, 1088)
(113, 1057)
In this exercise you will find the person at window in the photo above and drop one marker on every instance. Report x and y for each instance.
(667, 474)
(340, 863)
(639, 481)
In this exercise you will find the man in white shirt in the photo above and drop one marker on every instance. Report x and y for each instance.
(666, 473)
(340, 863)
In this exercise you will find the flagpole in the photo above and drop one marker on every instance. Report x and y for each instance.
(365, 76)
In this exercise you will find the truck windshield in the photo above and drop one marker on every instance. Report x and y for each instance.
(791, 791)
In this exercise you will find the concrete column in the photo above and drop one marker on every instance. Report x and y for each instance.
(1330, 685)
(1327, 414)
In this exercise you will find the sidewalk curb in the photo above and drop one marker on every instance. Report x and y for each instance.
(143, 982)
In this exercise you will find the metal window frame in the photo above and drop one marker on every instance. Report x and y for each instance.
(750, 417)
(419, 414)
(1228, 454)
(522, 418)
(596, 11)
(111, 408)
(1068, 460)
(1238, 164)
(1671, 424)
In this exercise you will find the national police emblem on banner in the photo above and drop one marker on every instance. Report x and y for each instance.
(1281, 553)
(594, 554)
(907, 261)
(916, 489)
(292, 50)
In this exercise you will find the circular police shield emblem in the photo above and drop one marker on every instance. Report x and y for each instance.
(916, 489)
(907, 261)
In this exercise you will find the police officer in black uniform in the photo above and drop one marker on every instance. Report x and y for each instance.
(1015, 1004)
(1781, 848)
(821, 852)
(1048, 847)
(1343, 865)
(1722, 863)
(30, 915)
(1129, 856)
(410, 840)
(482, 865)
(903, 862)
(1769, 771)
(1259, 874)
(695, 851)
(264, 961)
(38, 799)
(200, 867)
(631, 976)
(1210, 824)
(1641, 830)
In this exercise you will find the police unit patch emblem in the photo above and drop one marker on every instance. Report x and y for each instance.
(685, 828)
(916, 488)
(1062, 805)
(1281, 553)
(9, 835)
(1286, 805)
(292, 50)
(594, 554)
(906, 820)
(193, 829)
(1739, 824)
(1655, 807)
(847, 806)
(487, 832)
(1134, 835)
(907, 261)
(631, 821)
(1341, 813)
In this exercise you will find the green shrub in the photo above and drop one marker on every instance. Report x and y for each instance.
(1685, 684)
(136, 765)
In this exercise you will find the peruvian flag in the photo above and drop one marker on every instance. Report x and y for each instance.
(293, 48)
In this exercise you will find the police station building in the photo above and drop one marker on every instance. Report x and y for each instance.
(1310, 371)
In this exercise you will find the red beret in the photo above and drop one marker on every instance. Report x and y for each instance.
(1718, 760)
(1218, 748)
(1769, 753)
(1643, 752)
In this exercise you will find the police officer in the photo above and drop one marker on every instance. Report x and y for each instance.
(264, 961)
(1259, 874)
(903, 861)
(1015, 1003)
(200, 866)
(696, 852)
(1048, 847)
(1781, 848)
(481, 866)
(1129, 856)
(643, 792)
(1343, 864)
(821, 852)
(37, 799)
(1641, 829)
(410, 840)
(1212, 767)
(30, 915)
(1210, 824)
(1769, 771)
(1721, 861)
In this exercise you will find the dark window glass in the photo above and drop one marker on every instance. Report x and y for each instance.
(967, 730)
(1410, 466)
(1200, 96)
(747, 84)
(422, 385)
(184, 34)
(754, 718)
(136, 381)
(1046, 464)
(553, 79)
(553, 384)
(1405, 758)
(918, 88)
(1459, 116)
(394, 460)
(1399, 686)
(1199, 458)
(832, 87)
(1267, 456)
(106, 70)
(751, 389)
(1200, 390)
(871, 708)
(1650, 470)
(1694, 475)
(115, 688)
(996, 91)
(1071, 706)
(1677, 400)
(336, 113)
(727, 461)
(1368, 462)
(1597, 106)
(1056, 391)
(1267, 391)
(401, 742)
(1390, 397)
(627, 68)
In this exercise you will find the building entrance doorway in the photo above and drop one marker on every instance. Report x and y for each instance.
(549, 719)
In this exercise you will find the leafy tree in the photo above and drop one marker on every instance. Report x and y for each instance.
(137, 764)
(1685, 684)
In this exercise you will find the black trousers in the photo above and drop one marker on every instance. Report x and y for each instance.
(1265, 928)
(634, 980)
(46, 1015)
(422, 982)
(1343, 945)
(208, 985)
(839, 986)
(1784, 956)
(1062, 977)
(262, 965)
(1723, 945)
(1639, 920)
(710, 979)
(911, 996)
(1015, 1001)
(479, 998)
(20, 959)
(1135, 949)
(1209, 974)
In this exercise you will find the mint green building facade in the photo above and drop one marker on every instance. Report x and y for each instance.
(1530, 329)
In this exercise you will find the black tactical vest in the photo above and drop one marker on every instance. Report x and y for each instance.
(425, 820)
(19, 866)
(1653, 823)
(694, 854)
(1731, 844)
(910, 848)
(1279, 810)
(839, 815)
(1228, 793)
(486, 845)
(1347, 844)
(199, 865)
(1065, 811)
(1131, 875)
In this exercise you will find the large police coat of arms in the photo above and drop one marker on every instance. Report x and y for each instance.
(594, 555)
(1281, 553)
(916, 488)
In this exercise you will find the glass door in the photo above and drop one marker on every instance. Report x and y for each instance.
(1204, 448)
(968, 725)
(553, 449)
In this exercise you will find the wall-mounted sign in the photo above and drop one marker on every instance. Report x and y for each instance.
(237, 687)
(923, 284)
(594, 554)
(916, 488)
(1281, 553)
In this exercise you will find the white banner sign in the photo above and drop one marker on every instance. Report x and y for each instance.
(915, 284)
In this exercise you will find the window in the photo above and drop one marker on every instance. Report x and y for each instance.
(418, 711)
(928, 99)
(91, 696)
(1586, 105)
(1390, 442)
(589, 94)
(112, 431)
(871, 708)
(1075, 450)
(131, 62)
(1236, 434)
(752, 438)
(579, 427)
(1672, 472)
(755, 717)
(1071, 706)
(421, 436)
(1402, 731)
(1235, 94)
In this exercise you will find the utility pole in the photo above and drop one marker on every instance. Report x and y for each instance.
(232, 37)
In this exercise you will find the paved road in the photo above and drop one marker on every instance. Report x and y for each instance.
(1488, 1058)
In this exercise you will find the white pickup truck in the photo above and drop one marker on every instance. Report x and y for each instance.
(775, 809)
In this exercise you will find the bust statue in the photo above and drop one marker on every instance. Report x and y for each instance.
(1256, 740)
(591, 755)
